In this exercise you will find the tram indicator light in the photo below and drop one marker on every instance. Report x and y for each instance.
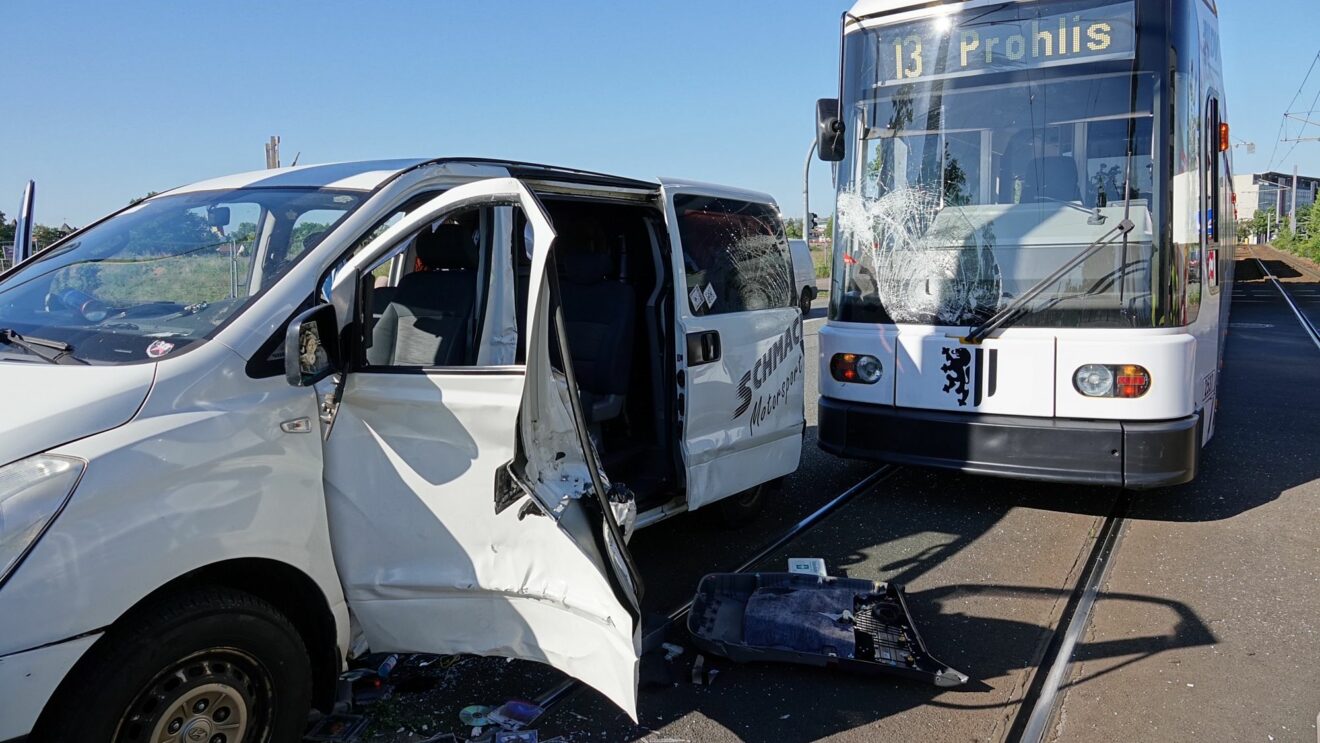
(1133, 381)
(1224, 140)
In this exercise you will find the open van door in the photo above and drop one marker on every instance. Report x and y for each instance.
(740, 368)
(467, 513)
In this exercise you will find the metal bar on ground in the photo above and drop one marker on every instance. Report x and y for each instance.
(1306, 322)
(1099, 562)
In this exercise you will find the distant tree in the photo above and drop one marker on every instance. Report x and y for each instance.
(793, 228)
(142, 198)
(6, 229)
(43, 237)
(1262, 223)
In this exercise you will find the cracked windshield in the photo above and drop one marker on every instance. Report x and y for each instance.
(987, 148)
(165, 273)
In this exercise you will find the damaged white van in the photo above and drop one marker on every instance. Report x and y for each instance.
(254, 425)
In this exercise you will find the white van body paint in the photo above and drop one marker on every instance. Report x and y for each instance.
(188, 467)
(729, 447)
(410, 471)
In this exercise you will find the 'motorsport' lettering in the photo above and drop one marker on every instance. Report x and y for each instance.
(764, 368)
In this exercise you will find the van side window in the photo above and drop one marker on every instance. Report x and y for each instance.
(422, 303)
(735, 254)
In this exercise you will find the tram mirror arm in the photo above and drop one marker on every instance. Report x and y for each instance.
(1011, 311)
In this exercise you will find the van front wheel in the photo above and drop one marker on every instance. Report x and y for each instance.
(214, 665)
(805, 302)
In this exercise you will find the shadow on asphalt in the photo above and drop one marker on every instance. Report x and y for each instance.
(1257, 452)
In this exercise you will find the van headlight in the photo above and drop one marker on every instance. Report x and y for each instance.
(32, 493)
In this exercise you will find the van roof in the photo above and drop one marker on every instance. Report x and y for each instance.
(368, 175)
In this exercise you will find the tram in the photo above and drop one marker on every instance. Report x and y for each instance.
(1033, 251)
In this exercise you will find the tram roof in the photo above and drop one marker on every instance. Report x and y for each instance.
(866, 8)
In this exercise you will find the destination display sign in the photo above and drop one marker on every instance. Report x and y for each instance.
(1019, 38)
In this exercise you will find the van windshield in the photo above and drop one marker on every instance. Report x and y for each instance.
(165, 274)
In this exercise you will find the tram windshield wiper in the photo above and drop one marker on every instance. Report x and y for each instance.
(1013, 310)
(63, 351)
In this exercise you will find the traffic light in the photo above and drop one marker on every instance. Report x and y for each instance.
(813, 223)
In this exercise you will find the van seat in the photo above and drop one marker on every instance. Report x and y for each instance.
(428, 320)
(601, 318)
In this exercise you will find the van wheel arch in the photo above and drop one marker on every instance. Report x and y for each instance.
(288, 589)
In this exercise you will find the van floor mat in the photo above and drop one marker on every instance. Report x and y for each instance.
(846, 623)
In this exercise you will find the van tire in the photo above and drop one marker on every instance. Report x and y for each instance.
(741, 509)
(804, 302)
(214, 659)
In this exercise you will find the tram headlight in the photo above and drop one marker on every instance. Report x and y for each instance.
(1094, 380)
(1127, 381)
(856, 368)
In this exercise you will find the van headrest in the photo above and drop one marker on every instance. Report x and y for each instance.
(585, 268)
(448, 246)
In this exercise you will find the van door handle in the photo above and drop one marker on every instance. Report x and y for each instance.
(703, 347)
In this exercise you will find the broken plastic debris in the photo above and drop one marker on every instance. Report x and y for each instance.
(515, 714)
(786, 617)
(672, 651)
(337, 728)
(698, 670)
(516, 736)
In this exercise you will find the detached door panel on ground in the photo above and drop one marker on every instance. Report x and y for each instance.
(741, 368)
(414, 461)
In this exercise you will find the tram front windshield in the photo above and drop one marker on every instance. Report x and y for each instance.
(987, 147)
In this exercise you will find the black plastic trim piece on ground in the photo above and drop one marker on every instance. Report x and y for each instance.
(1130, 454)
(652, 638)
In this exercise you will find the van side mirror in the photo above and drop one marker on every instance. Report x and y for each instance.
(311, 346)
(829, 130)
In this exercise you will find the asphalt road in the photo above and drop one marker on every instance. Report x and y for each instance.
(1206, 629)
(1209, 625)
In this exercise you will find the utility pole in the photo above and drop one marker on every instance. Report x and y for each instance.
(806, 194)
(1292, 212)
(1278, 211)
(273, 153)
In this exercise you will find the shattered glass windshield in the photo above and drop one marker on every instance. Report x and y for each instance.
(987, 148)
(164, 274)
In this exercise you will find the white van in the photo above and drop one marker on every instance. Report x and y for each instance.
(804, 275)
(257, 424)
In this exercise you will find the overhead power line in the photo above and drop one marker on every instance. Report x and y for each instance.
(1284, 123)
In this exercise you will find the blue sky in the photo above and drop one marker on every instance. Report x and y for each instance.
(111, 100)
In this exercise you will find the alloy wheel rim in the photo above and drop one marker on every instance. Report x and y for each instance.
(214, 696)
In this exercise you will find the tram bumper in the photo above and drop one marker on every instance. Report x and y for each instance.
(1130, 454)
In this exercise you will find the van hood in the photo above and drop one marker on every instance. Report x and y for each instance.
(43, 406)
